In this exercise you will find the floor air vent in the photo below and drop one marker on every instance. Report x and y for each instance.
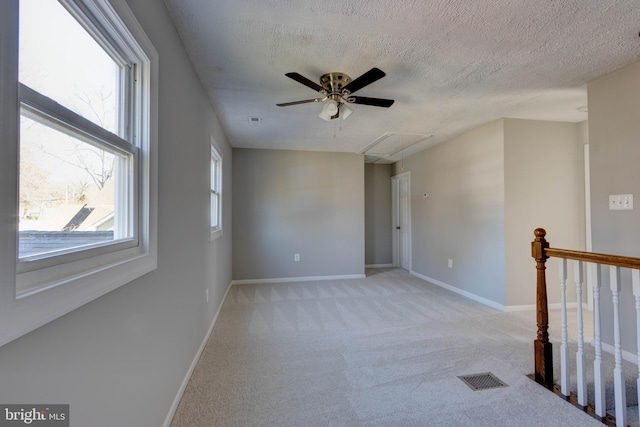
(484, 381)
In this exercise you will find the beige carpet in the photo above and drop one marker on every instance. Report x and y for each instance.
(381, 351)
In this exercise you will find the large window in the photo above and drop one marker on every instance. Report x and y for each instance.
(77, 195)
(77, 153)
(216, 192)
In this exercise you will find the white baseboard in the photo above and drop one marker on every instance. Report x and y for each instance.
(378, 266)
(514, 308)
(626, 355)
(493, 304)
(194, 362)
(532, 307)
(296, 279)
(459, 291)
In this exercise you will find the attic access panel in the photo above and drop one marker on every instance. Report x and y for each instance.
(390, 144)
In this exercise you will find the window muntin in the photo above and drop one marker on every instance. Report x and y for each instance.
(216, 192)
(74, 112)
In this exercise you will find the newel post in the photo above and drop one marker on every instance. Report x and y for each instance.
(542, 347)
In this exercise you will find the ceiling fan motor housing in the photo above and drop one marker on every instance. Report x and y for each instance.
(333, 84)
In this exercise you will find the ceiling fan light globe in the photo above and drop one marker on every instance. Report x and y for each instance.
(331, 107)
(345, 112)
(329, 110)
(325, 117)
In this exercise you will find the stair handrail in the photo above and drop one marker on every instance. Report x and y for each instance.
(541, 251)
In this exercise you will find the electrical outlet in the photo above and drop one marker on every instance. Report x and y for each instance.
(450, 263)
(296, 257)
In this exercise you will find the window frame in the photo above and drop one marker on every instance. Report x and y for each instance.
(54, 286)
(215, 180)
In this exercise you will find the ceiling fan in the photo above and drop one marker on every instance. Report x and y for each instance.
(337, 89)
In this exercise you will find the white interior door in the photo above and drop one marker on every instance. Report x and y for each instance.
(402, 221)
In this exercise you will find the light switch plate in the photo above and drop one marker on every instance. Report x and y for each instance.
(621, 202)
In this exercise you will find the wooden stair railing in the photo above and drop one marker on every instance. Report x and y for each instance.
(543, 355)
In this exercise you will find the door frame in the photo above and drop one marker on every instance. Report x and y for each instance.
(591, 272)
(395, 202)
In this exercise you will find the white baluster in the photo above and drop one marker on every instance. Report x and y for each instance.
(564, 354)
(580, 362)
(618, 376)
(598, 368)
(635, 279)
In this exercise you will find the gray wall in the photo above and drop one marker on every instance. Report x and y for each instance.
(125, 354)
(614, 130)
(377, 214)
(304, 202)
(544, 187)
(463, 217)
(488, 190)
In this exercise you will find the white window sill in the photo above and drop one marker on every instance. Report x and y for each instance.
(59, 298)
(215, 234)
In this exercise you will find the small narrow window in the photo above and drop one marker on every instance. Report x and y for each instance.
(216, 192)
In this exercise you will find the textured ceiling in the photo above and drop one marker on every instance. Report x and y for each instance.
(451, 64)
